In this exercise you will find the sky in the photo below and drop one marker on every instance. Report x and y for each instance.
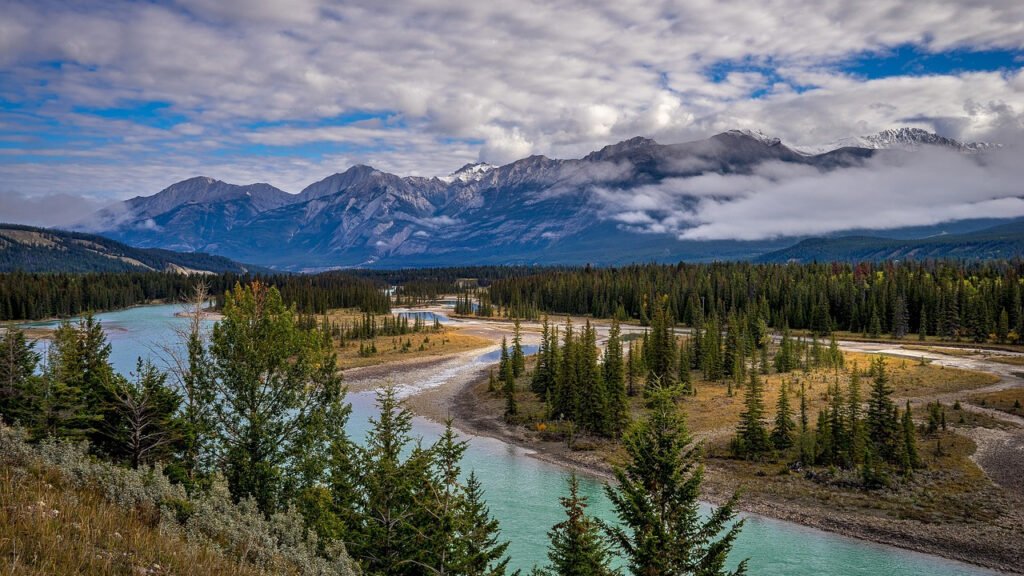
(105, 100)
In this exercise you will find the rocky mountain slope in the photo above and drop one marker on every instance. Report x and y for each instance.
(534, 210)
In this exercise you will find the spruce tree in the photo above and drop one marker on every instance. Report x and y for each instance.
(593, 407)
(661, 530)
(18, 362)
(913, 460)
(578, 547)
(615, 382)
(881, 426)
(900, 318)
(141, 424)
(567, 387)
(782, 433)
(751, 434)
(854, 419)
(378, 489)
(662, 368)
(508, 381)
(518, 358)
(478, 552)
(543, 373)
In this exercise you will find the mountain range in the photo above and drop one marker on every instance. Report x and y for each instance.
(536, 210)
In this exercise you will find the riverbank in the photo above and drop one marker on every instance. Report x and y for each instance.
(986, 518)
(997, 546)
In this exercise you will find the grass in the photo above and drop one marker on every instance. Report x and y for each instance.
(1009, 401)
(1010, 360)
(397, 348)
(47, 528)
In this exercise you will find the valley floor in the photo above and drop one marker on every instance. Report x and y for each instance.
(970, 510)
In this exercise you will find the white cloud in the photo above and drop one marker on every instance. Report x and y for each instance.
(459, 81)
(928, 187)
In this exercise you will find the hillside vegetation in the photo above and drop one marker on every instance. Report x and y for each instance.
(31, 249)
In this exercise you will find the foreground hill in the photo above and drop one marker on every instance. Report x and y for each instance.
(31, 249)
(1001, 241)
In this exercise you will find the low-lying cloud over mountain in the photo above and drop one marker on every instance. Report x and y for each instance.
(922, 188)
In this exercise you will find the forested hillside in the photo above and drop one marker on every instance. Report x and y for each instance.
(1003, 241)
(29, 249)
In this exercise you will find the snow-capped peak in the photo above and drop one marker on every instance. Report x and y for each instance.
(756, 135)
(468, 173)
(900, 138)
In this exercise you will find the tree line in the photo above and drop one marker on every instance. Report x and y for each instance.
(950, 300)
(258, 402)
(34, 296)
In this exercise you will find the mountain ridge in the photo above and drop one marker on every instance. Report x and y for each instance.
(32, 249)
(533, 210)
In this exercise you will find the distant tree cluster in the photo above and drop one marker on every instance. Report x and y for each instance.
(947, 299)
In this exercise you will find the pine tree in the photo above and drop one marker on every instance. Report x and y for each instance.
(922, 330)
(782, 433)
(18, 362)
(656, 499)
(881, 427)
(378, 488)
(141, 423)
(910, 441)
(279, 397)
(751, 434)
(518, 359)
(508, 381)
(615, 382)
(853, 418)
(578, 548)
(478, 552)
(900, 318)
(662, 369)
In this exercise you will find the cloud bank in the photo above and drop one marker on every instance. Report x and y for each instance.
(893, 190)
(116, 98)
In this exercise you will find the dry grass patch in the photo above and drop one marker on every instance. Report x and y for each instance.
(47, 528)
(1010, 360)
(1010, 401)
(421, 345)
